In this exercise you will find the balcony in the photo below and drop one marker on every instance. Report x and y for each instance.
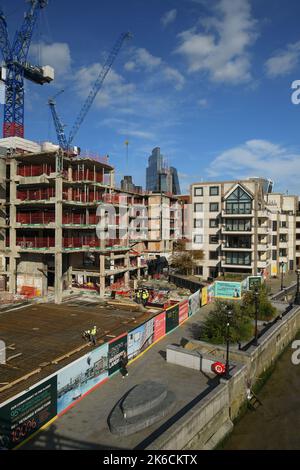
(263, 230)
(230, 214)
(262, 247)
(233, 231)
(241, 247)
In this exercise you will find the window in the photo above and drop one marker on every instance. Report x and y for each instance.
(198, 207)
(274, 255)
(213, 223)
(238, 225)
(199, 270)
(214, 207)
(213, 255)
(198, 191)
(274, 226)
(282, 252)
(213, 239)
(238, 241)
(274, 240)
(283, 224)
(239, 202)
(238, 258)
(214, 191)
(198, 239)
(283, 238)
(198, 223)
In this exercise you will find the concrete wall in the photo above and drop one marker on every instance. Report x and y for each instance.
(191, 359)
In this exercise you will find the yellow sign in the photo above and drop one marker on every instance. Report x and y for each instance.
(204, 296)
(274, 269)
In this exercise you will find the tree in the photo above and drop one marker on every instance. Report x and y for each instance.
(184, 260)
(214, 329)
(266, 311)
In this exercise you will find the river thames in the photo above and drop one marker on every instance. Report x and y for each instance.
(275, 424)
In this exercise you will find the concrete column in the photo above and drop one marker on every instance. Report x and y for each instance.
(102, 275)
(126, 274)
(58, 286)
(112, 178)
(12, 231)
(139, 263)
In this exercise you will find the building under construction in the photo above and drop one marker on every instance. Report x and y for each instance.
(49, 201)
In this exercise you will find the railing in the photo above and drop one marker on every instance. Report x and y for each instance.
(78, 242)
(35, 170)
(36, 217)
(87, 175)
(36, 194)
(36, 242)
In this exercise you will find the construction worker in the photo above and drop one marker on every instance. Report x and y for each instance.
(138, 296)
(145, 297)
(93, 335)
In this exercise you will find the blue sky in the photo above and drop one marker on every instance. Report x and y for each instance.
(209, 81)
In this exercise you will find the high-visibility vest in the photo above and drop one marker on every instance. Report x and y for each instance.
(94, 331)
(145, 295)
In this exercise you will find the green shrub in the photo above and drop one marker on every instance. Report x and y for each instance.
(266, 311)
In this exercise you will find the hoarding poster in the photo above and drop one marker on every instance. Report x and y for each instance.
(210, 293)
(274, 269)
(254, 281)
(159, 326)
(227, 290)
(76, 379)
(140, 338)
(204, 296)
(26, 414)
(194, 303)
(172, 318)
(116, 348)
(183, 311)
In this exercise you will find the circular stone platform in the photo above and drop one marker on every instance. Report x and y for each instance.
(143, 406)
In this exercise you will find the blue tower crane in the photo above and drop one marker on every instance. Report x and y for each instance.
(17, 68)
(64, 142)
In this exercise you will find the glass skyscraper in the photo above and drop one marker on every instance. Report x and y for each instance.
(159, 177)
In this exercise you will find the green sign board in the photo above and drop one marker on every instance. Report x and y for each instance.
(26, 414)
(254, 281)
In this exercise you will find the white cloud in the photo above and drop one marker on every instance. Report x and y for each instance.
(283, 62)
(136, 133)
(143, 60)
(114, 90)
(57, 54)
(202, 102)
(169, 17)
(221, 48)
(259, 158)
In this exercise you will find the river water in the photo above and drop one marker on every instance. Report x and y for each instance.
(275, 424)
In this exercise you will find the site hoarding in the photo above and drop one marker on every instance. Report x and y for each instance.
(210, 293)
(194, 303)
(172, 318)
(183, 311)
(76, 379)
(204, 296)
(228, 290)
(23, 416)
(159, 326)
(116, 348)
(140, 338)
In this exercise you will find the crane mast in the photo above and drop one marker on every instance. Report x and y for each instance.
(65, 142)
(15, 62)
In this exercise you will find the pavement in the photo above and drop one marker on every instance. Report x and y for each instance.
(85, 425)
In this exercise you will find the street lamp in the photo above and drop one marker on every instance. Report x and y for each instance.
(228, 316)
(281, 265)
(297, 296)
(256, 294)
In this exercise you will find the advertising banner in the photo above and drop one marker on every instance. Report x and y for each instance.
(26, 414)
(274, 269)
(172, 318)
(116, 348)
(194, 303)
(210, 293)
(204, 296)
(159, 326)
(140, 338)
(227, 290)
(183, 311)
(76, 379)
